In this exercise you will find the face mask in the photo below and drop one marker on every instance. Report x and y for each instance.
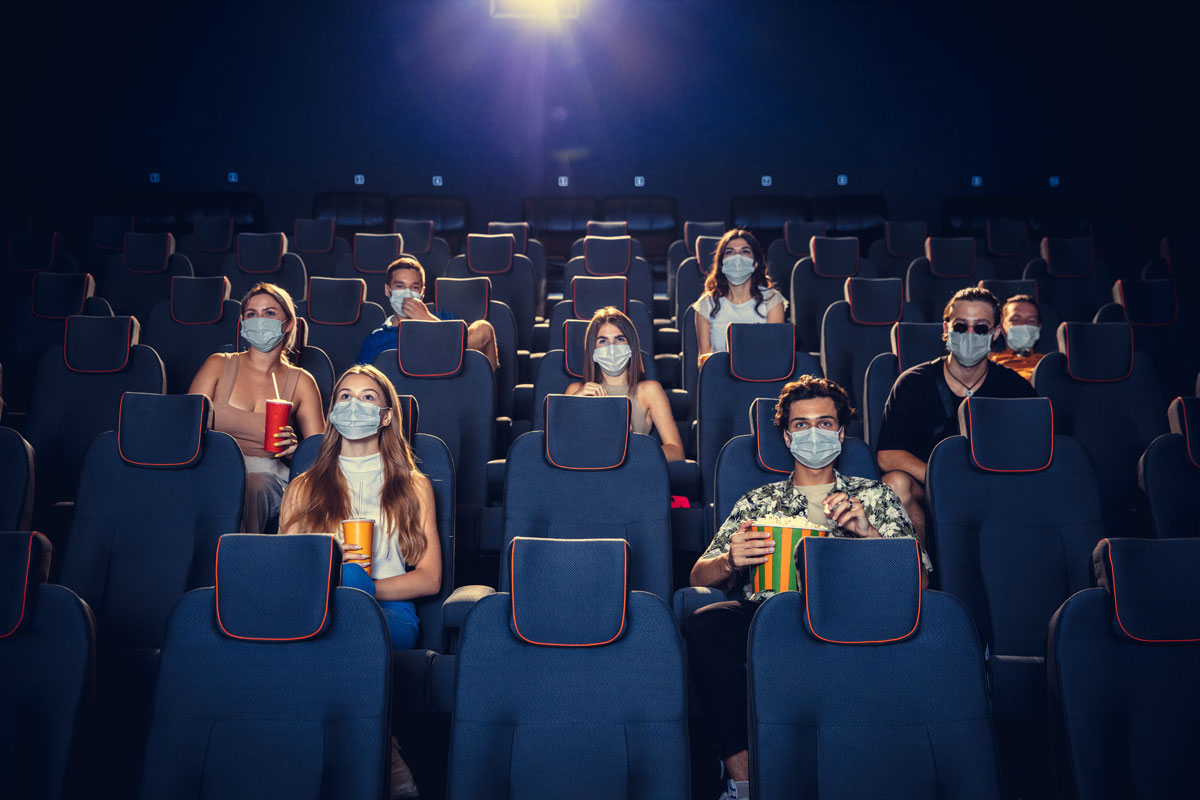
(1023, 337)
(969, 348)
(263, 333)
(355, 419)
(613, 358)
(815, 447)
(397, 298)
(737, 269)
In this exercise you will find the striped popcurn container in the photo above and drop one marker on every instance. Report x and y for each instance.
(778, 574)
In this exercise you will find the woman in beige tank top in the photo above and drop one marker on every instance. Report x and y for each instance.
(239, 385)
(613, 367)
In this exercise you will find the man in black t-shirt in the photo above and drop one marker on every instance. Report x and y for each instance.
(922, 408)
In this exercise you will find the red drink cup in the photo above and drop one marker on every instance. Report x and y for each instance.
(362, 533)
(278, 414)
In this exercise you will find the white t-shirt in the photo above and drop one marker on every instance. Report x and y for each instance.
(364, 477)
(729, 313)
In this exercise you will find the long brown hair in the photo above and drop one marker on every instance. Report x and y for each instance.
(717, 285)
(603, 316)
(323, 496)
(281, 296)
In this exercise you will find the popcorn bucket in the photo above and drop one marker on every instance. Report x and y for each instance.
(778, 574)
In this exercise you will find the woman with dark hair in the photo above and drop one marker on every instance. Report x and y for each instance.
(240, 384)
(737, 290)
(612, 367)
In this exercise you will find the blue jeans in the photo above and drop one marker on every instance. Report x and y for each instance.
(401, 615)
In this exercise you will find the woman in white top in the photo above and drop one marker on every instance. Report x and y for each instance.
(737, 290)
(612, 366)
(365, 470)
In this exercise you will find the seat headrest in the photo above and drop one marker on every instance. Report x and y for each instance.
(24, 564)
(706, 251)
(148, 253)
(589, 293)
(99, 344)
(198, 301)
(1008, 434)
(1148, 304)
(490, 254)
(875, 301)
(586, 433)
(467, 298)
(1156, 597)
(1068, 257)
(60, 295)
(313, 235)
(770, 451)
(950, 257)
(834, 256)
(860, 591)
(1006, 289)
(108, 231)
(574, 346)
(162, 431)
(905, 239)
(289, 601)
(260, 253)
(916, 342)
(1006, 237)
(212, 234)
(762, 352)
(417, 234)
(375, 252)
(606, 227)
(1100, 352)
(797, 236)
(1184, 417)
(692, 230)
(335, 301)
(543, 572)
(32, 252)
(431, 348)
(519, 231)
(607, 255)
(409, 412)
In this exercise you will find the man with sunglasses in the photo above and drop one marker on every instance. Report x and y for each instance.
(922, 408)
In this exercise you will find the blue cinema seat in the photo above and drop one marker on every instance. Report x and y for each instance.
(513, 280)
(369, 259)
(469, 299)
(784, 252)
(264, 257)
(819, 280)
(339, 318)
(526, 245)
(197, 320)
(318, 245)
(1169, 472)
(433, 252)
(1070, 277)
(211, 239)
(901, 244)
(605, 256)
(1006, 245)
(949, 264)
(912, 343)
(141, 274)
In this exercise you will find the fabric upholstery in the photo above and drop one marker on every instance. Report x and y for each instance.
(547, 573)
(163, 431)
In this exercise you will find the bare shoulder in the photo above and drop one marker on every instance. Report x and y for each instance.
(574, 387)
(649, 390)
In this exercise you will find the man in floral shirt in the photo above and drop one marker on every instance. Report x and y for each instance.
(811, 415)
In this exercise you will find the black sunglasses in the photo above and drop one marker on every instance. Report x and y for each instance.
(982, 328)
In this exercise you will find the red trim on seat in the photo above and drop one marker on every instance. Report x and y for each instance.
(166, 257)
(128, 350)
(357, 268)
(89, 289)
(971, 439)
(916, 622)
(278, 261)
(1112, 571)
(328, 591)
(936, 274)
(121, 452)
(546, 437)
(25, 589)
(624, 299)
(487, 297)
(53, 255)
(362, 293)
(628, 259)
(513, 587)
(1187, 439)
(512, 246)
(228, 240)
(850, 302)
(1120, 286)
(405, 248)
(733, 369)
(461, 351)
(857, 261)
(220, 304)
(1067, 344)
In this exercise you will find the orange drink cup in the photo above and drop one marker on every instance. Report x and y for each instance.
(778, 574)
(362, 533)
(278, 414)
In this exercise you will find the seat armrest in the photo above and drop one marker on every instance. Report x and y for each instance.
(456, 607)
(685, 479)
(691, 599)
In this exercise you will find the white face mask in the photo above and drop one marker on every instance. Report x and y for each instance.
(1023, 337)
(613, 358)
(969, 348)
(263, 333)
(815, 447)
(355, 419)
(397, 298)
(737, 268)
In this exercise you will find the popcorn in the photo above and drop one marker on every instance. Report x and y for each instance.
(788, 522)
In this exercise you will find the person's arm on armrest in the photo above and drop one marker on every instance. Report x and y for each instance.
(425, 578)
(890, 460)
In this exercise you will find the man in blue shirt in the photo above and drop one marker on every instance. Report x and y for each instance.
(405, 288)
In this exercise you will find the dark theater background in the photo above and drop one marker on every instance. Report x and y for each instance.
(1070, 122)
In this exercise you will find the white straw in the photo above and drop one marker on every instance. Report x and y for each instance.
(276, 385)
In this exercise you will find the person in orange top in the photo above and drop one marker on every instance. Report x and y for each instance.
(1022, 325)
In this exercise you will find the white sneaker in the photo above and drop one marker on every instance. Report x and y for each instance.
(736, 790)
(403, 787)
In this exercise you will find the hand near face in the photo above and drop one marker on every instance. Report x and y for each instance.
(848, 514)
